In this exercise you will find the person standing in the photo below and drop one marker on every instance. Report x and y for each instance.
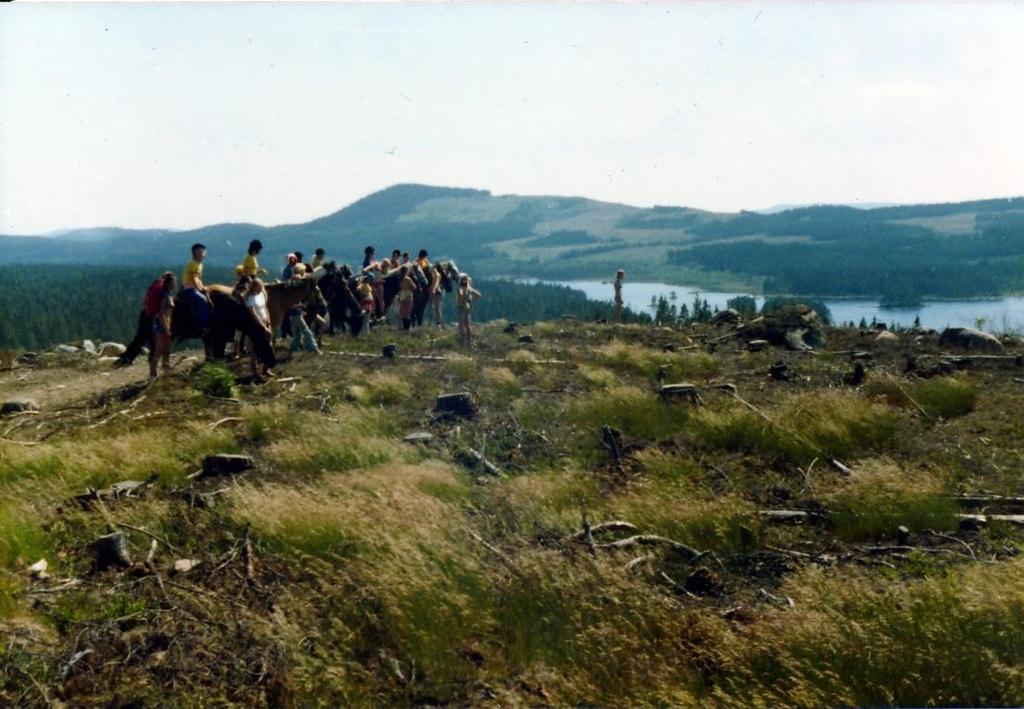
(144, 329)
(256, 302)
(436, 295)
(319, 256)
(619, 276)
(368, 253)
(464, 299)
(161, 350)
(406, 291)
(396, 258)
(289, 267)
(302, 336)
(193, 290)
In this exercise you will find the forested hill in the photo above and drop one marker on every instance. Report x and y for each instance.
(898, 252)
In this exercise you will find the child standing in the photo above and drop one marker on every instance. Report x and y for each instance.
(302, 336)
(162, 328)
(464, 299)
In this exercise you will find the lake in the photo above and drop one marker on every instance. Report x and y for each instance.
(998, 314)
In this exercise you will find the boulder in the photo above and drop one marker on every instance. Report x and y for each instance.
(89, 346)
(112, 349)
(419, 437)
(795, 326)
(457, 404)
(887, 338)
(17, 406)
(729, 315)
(970, 339)
(67, 351)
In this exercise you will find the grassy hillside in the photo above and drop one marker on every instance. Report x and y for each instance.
(349, 567)
(903, 252)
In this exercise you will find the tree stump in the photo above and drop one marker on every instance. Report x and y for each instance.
(757, 345)
(225, 464)
(510, 329)
(526, 339)
(779, 371)
(390, 350)
(112, 550)
(459, 404)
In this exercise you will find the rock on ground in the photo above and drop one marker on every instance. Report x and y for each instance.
(970, 339)
(14, 406)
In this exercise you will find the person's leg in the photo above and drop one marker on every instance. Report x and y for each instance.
(201, 308)
(165, 351)
(438, 318)
(296, 332)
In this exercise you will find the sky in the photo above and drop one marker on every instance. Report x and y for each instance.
(181, 115)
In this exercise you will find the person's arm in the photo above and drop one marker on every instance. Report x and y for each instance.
(476, 293)
(198, 280)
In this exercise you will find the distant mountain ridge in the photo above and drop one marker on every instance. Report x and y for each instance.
(949, 249)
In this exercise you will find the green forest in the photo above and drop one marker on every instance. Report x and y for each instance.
(43, 305)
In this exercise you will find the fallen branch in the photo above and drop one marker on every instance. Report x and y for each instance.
(509, 564)
(226, 419)
(154, 537)
(613, 526)
(651, 540)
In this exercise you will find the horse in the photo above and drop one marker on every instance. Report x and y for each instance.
(342, 305)
(284, 295)
(226, 316)
(449, 275)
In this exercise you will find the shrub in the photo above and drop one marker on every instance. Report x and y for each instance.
(216, 380)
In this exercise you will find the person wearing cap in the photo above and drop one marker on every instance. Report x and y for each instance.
(289, 268)
(619, 275)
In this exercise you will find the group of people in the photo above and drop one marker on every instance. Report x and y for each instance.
(155, 320)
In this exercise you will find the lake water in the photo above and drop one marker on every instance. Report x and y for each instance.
(998, 314)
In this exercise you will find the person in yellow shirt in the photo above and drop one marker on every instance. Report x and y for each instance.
(193, 290)
(318, 258)
(250, 265)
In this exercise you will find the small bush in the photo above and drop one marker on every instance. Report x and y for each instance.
(216, 380)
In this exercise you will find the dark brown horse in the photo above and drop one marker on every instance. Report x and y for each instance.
(342, 306)
(227, 315)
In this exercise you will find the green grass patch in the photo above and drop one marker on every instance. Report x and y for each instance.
(946, 397)
(818, 425)
(875, 514)
(633, 411)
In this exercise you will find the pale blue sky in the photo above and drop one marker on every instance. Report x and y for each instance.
(167, 115)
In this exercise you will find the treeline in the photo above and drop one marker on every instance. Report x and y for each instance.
(876, 263)
(43, 305)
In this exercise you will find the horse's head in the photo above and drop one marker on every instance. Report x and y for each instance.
(449, 274)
